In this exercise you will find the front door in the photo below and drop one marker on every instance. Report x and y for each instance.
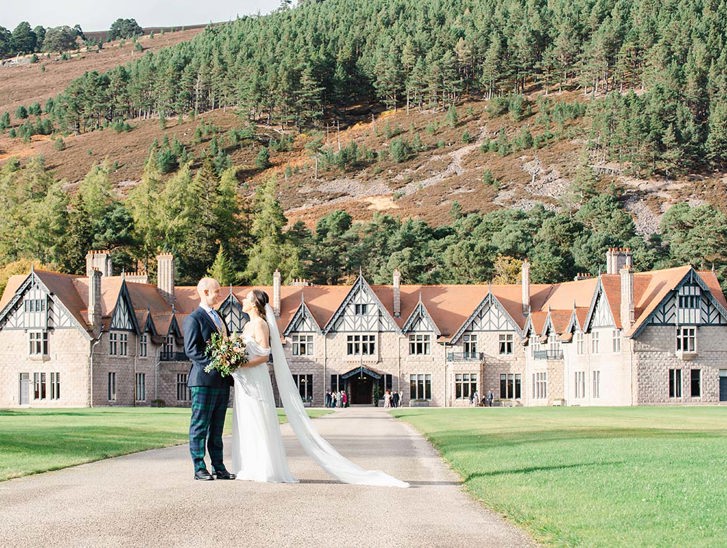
(24, 388)
(362, 390)
(723, 385)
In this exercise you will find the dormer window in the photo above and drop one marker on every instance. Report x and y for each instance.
(34, 305)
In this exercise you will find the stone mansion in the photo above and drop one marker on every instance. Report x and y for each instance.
(622, 338)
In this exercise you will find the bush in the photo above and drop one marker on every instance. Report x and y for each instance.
(4, 121)
(59, 144)
(466, 137)
(21, 113)
(121, 126)
(498, 106)
(263, 159)
(489, 180)
(524, 140)
(399, 150)
(35, 109)
(452, 117)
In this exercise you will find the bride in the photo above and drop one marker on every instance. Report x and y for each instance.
(257, 445)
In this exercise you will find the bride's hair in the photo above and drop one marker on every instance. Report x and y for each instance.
(260, 299)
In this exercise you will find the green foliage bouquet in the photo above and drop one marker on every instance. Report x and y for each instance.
(226, 354)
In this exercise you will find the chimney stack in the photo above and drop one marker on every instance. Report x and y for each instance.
(94, 299)
(165, 276)
(627, 297)
(617, 258)
(98, 260)
(276, 292)
(397, 293)
(526, 287)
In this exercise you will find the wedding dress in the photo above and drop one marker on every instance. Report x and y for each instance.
(257, 445)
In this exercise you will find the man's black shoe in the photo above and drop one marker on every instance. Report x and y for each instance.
(224, 475)
(203, 474)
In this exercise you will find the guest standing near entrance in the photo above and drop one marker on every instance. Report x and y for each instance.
(395, 399)
(387, 399)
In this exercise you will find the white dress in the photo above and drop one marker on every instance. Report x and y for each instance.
(258, 453)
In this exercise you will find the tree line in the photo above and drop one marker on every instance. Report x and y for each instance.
(211, 228)
(297, 66)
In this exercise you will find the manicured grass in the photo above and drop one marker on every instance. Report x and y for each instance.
(39, 440)
(592, 476)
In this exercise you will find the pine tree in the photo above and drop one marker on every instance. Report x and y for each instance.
(222, 269)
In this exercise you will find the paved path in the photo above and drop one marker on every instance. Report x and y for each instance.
(150, 499)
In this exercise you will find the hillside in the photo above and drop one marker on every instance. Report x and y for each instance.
(424, 186)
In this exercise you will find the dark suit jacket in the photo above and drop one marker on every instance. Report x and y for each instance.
(198, 330)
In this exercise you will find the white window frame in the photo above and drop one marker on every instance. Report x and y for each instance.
(417, 391)
(686, 339)
(580, 385)
(595, 342)
(140, 393)
(361, 345)
(143, 345)
(580, 346)
(596, 384)
(184, 394)
(465, 384)
(111, 386)
(540, 385)
(37, 343)
(506, 342)
(302, 345)
(616, 341)
(304, 383)
(420, 344)
(113, 343)
(469, 344)
(55, 386)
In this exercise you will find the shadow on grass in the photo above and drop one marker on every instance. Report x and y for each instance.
(531, 469)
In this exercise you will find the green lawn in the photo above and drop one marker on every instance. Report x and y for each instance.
(38, 440)
(592, 476)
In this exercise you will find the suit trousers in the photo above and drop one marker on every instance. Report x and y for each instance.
(209, 406)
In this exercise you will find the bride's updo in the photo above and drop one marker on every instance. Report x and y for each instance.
(260, 299)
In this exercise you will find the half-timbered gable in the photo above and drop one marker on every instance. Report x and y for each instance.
(600, 314)
(302, 322)
(489, 315)
(690, 303)
(361, 311)
(420, 321)
(34, 307)
(123, 317)
(231, 312)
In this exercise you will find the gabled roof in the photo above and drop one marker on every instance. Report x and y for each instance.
(362, 284)
(420, 311)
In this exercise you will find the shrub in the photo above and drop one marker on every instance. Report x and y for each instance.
(399, 150)
(263, 158)
(59, 144)
(21, 112)
(466, 137)
(498, 106)
(452, 117)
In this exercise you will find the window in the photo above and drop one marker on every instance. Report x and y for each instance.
(580, 386)
(168, 344)
(39, 385)
(534, 344)
(696, 383)
(687, 339)
(616, 341)
(596, 384)
(510, 386)
(357, 345)
(141, 387)
(38, 343)
(675, 383)
(594, 342)
(540, 385)
(360, 309)
(470, 344)
(55, 386)
(336, 383)
(419, 345)
(305, 386)
(113, 344)
(505, 343)
(579, 343)
(183, 392)
(143, 345)
(465, 384)
(689, 301)
(34, 305)
(112, 387)
(123, 344)
(420, 387)
(302, 345)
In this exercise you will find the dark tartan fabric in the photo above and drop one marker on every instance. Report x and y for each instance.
(209, 406)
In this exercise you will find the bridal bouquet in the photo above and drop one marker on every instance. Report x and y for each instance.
(226, 354)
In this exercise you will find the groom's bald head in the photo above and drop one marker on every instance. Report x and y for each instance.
(208, 290)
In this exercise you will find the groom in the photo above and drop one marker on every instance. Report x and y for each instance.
(210, 392)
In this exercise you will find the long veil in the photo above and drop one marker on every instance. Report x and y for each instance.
(314, 445)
